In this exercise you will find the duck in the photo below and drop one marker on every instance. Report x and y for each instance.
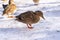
(30, 18)
(5, 4)
(36, 2)
(10, 9)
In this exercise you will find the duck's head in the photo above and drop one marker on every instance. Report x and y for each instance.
(39, 13)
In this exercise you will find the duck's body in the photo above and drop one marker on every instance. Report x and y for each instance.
(10, 9)
(28, 18)
(36, 2)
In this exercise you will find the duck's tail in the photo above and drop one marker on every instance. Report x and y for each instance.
(17, 18)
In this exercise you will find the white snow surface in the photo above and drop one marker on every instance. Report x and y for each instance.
(48, 29)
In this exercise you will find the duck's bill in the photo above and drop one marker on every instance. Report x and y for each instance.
(43, 17)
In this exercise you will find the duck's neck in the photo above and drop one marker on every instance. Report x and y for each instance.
(11, 2)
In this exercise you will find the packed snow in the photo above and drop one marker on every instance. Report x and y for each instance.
(48, 29)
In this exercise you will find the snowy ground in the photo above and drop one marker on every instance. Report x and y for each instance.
(48, 29)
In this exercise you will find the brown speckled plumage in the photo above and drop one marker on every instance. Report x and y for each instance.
(30, 17)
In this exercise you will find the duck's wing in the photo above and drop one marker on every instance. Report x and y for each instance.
(26, 16)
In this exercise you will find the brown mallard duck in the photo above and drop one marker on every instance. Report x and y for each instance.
(36, 2)
(10, 9)
(30, 17)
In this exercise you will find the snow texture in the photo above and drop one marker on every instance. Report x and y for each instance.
(48, 29)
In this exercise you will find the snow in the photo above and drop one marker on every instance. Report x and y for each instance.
(48, 29)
